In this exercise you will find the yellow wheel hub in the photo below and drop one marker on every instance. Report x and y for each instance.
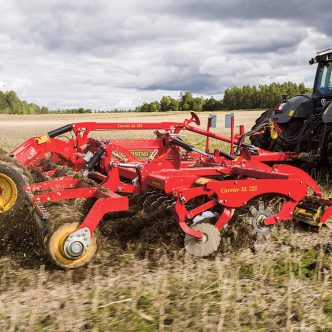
(55, 247)
(8, 193)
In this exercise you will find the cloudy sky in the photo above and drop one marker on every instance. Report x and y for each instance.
(104, 54)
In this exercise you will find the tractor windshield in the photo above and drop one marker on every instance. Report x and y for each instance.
(324, 79)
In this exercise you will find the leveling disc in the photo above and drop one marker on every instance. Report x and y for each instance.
(258, 217)
(205, 246)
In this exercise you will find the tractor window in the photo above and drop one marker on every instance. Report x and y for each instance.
(324, 84)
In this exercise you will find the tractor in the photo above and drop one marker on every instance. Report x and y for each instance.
(302, 124)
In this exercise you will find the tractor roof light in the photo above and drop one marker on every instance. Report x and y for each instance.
(326, 51)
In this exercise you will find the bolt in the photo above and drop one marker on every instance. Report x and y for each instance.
(48, 198)
(220, 201)
(203, 239)
(289, 194)
(225, 200)
(188, 216)
(119, 188)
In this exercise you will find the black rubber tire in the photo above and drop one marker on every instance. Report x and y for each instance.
(263, 140)
(18, 179)
(328, 147)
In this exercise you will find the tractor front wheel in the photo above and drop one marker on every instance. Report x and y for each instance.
(263, 140)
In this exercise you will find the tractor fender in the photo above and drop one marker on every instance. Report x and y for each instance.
(301, 106)
(327, 114)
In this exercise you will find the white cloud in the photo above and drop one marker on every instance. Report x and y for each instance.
(106, 54)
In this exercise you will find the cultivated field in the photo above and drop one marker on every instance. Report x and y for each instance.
(142, 280)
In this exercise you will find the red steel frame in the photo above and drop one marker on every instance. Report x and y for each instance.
(183, 176)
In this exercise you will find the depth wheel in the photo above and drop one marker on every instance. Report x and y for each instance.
(11, 191)
(55, 247)
(205, 246)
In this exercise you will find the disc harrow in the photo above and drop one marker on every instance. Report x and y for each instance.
(201, 190)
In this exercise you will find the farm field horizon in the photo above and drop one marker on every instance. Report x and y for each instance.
(14, 129)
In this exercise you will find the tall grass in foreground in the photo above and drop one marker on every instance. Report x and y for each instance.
(284, 286)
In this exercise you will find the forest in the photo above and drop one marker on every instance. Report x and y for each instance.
(245, 97)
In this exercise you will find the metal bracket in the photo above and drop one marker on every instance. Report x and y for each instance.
(40, 209)
(77, 243)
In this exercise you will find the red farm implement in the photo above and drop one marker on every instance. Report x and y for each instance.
(204, 189)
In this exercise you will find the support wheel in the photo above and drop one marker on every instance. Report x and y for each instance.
(205, 246)
(11, 191)
(55, 247)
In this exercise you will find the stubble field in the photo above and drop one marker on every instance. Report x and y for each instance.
(142, 280)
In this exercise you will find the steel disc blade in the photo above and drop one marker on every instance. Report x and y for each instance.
(205, 248)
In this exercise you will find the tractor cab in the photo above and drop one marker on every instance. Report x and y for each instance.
(323, 80)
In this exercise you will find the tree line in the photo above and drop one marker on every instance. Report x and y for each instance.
(245, 97)
(11, 104)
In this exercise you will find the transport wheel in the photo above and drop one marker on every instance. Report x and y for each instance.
(258, 215)
(11, 191)
(205, 246)
(55, 246)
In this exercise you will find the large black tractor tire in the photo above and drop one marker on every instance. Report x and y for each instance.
(12, 195)
(328, 146)
(263, 140)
